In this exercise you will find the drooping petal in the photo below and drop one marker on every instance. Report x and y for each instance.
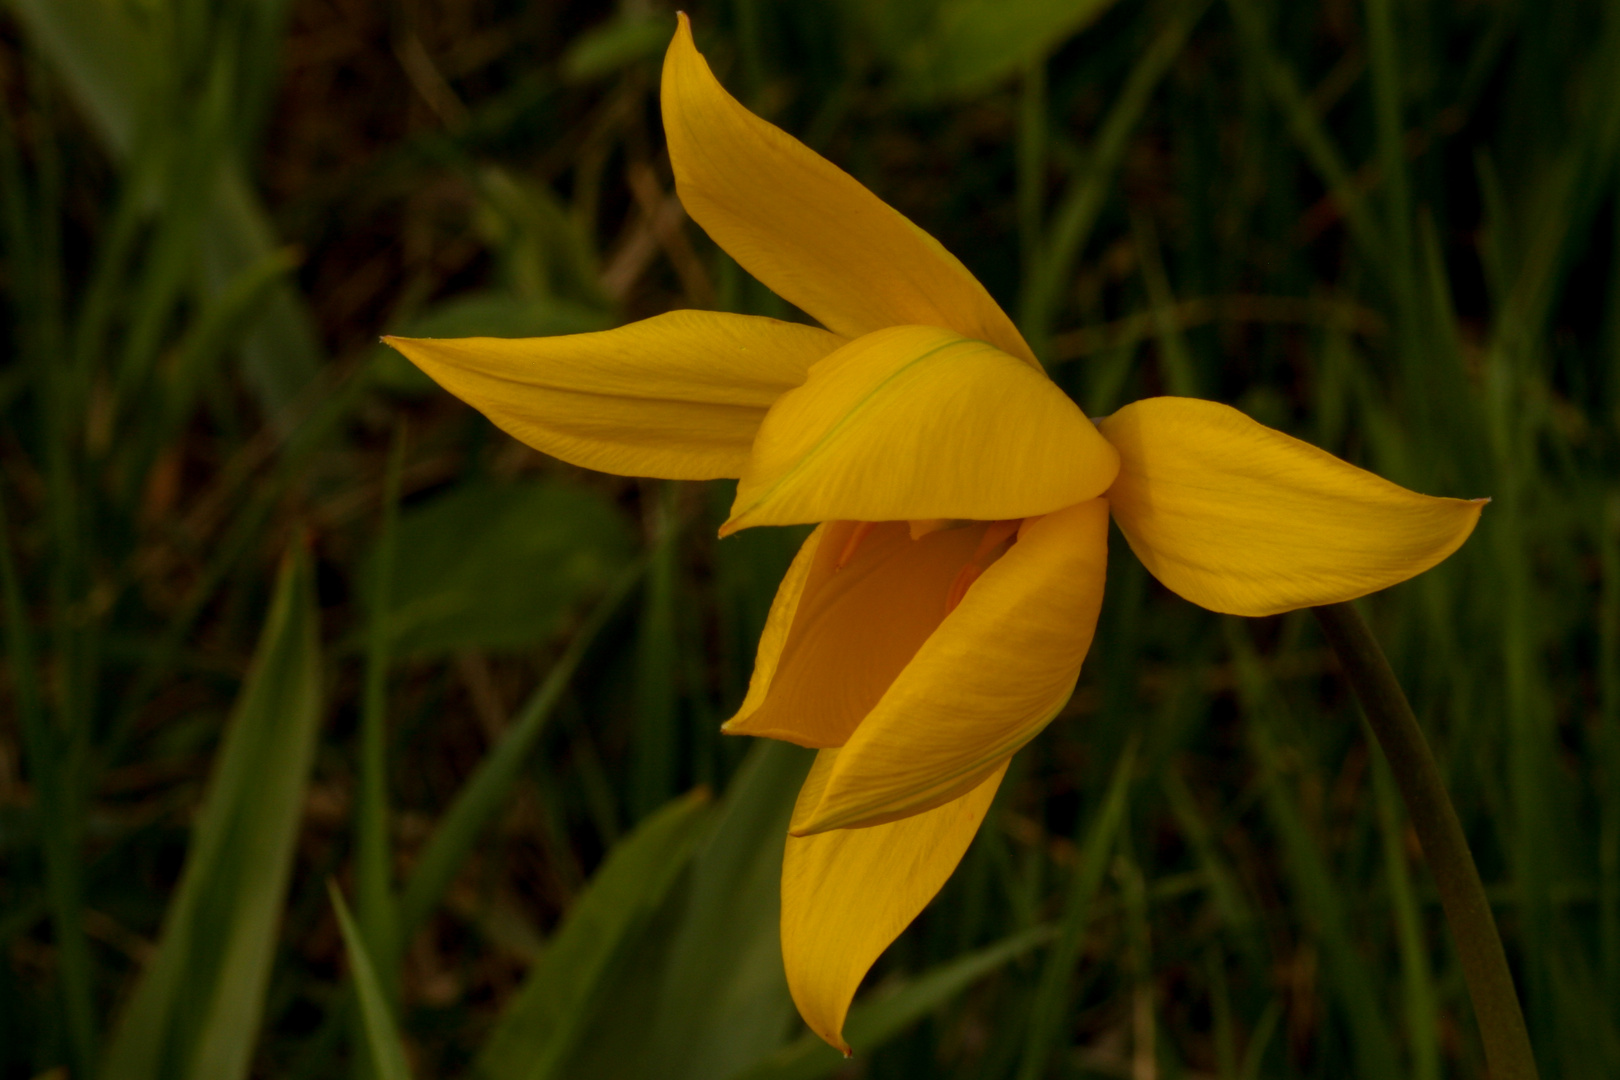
(806, 228)
(846, 895)
(997, 670)
(1242, 519)
(679, 395)
(858, 603)
(915, 422)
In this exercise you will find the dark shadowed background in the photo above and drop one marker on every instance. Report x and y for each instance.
(279, 613)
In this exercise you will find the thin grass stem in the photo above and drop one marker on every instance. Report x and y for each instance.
(1462, 895)
(374, 879)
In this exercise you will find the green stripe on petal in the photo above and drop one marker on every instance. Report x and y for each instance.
(916, 422)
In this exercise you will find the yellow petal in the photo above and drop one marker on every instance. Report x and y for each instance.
(915, 422)
(677, 396)
(806, 228)
(997, 670)
(846, 895)
(778, 624)
(857, 604)
(1243, 519)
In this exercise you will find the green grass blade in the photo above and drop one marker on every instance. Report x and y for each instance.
(1306, 126)
(58, 839)
(974, 44)
(723, 1001)
(541, 1026)
(1609, 747)
(655, 752)
(99, 49)
(386, 1053)
(280, 351)
(877, 1019)
(1082, 201)
(1318, 896)
(90, 44)
(1422, 1015)
(1046, 1011)
(373, 853)
(54, 752)
(1175, 361)
(222, 321)
(483, 796)
(1254, 1055)
(1224, 890)
(196, 1010)
(1388, 109)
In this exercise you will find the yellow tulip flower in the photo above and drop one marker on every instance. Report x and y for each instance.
(936, 618)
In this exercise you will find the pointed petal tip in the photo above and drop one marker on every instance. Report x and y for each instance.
(835, 1039)
(1246, 520)
(912, 423)
(805, 228)
(847, 895)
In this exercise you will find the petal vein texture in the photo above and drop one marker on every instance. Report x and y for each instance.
(806, 228)
(678, 396)
(916, 422)
(847, 895)
(1242, 519)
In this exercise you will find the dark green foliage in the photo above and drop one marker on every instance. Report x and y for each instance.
(1391, 229)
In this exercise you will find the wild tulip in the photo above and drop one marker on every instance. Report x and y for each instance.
(936, 619)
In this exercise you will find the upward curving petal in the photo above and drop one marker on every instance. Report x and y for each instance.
(916, 422)
(806, 228)
(679, 396)
(846, 895)
(1240, 518)
(993, 675)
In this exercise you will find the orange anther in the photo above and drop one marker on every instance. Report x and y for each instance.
(855, 537)
(964, 580)
(997, 534)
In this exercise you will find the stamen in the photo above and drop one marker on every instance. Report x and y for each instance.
(855, 537)
(997, 534)
(964, 580)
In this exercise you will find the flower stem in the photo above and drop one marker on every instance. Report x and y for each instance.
(1490, 983)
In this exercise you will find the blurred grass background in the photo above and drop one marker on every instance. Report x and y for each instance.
(279, 614)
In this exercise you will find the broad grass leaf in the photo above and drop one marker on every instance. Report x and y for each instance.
(501, 565)
(111, 65)
(615, 44)
(541, 1025)
(972, 44)
(197, 1007)
(723, 1002)
(387, 1052)
(889, 1011)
